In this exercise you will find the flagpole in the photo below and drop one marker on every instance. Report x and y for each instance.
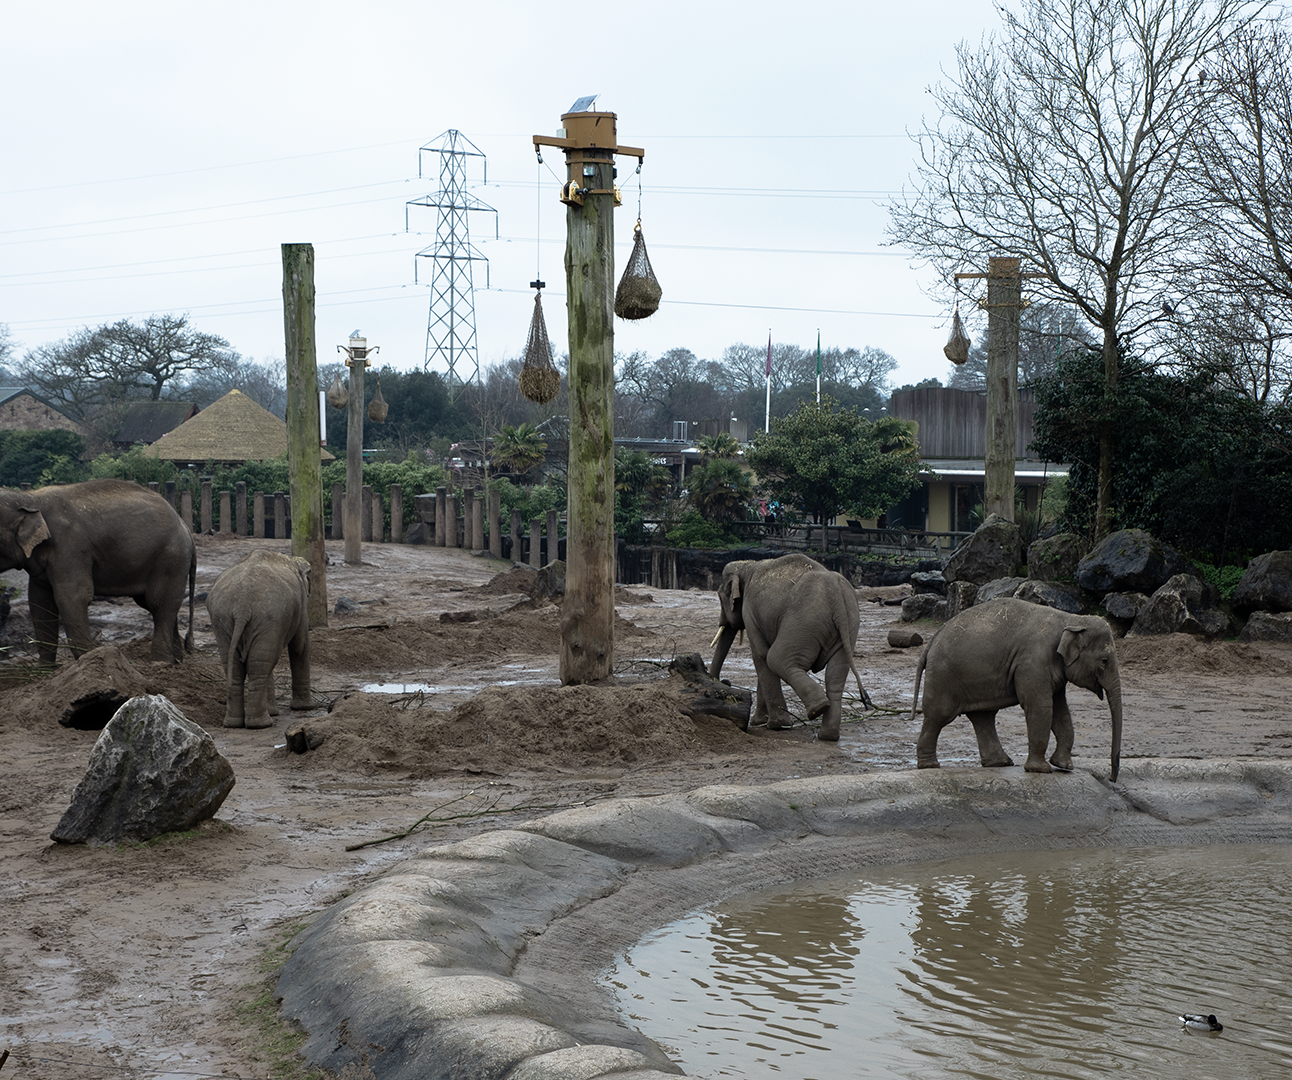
(767, 419)
(818, 367)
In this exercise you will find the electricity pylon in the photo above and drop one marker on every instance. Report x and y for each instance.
(451, 325)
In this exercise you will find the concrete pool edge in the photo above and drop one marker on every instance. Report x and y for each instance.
(483, 958)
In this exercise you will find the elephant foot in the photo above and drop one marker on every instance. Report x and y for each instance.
(1061, 763)
(922, 763)
(780, 723)
(819, 709)
(302, 703)
(829, 732)
(260, 721)
(234, 721)
(998, 763)
(273, 711)
(1037, 764)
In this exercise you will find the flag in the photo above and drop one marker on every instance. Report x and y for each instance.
(818, 356)
(769, 354)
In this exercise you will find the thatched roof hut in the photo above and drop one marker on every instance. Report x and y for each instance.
(233, 429)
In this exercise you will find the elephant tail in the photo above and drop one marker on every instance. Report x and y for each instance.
(865, 697)
(192, 589)
(919, 674)
(847, 641)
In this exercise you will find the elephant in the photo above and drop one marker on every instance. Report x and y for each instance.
(800, 617)
(99, 538)
(259, 606)
(1011, 652)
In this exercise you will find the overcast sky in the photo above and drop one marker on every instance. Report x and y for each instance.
(158, 155)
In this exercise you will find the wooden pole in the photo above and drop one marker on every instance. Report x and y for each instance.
(1004, 297)
(303, 432)
(352, 523)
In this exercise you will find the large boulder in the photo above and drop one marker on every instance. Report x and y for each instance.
(995, 550)
(151, 771)
(1055, 558)
(1130, 561)
(1050, 594)
(998, 589)
(929, 581)
(1125, 605)
(960, 596)
(1183, 605)
(923, 606)
(1267, 584)
(1268, 626)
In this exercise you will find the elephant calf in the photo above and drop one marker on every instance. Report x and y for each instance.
(259, 606)
(1009, 652)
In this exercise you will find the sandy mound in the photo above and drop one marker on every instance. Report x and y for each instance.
(1168, 653)
(562, 729)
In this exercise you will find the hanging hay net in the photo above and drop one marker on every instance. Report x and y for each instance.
(377, 407)
(337, 396)
(957, 347)
(638, 294)
(539, 379)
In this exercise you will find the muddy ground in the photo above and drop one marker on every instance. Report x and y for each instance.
(153, 960)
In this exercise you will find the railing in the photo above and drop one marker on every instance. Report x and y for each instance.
(918, 543)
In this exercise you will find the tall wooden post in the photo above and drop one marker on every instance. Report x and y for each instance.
(304, 437)
(588, 613)
(352, 524)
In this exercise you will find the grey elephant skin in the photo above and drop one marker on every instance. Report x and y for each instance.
(1009, 652)
(104, 538)
(800, 617)
(259, 607)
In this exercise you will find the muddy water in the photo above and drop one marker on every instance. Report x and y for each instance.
(1072, 964)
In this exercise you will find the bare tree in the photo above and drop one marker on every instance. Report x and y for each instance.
(1236, 306)
(1060, 143)
(1045, 333)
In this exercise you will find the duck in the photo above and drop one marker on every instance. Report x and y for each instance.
(1198, 1022)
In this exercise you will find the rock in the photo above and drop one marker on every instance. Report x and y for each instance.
(1055, 558)
(346, 606)
(1267, 584)
(929, 581)
(301, 738)
(961, 595)
(550, 582)
(1001, 587)
(921, 606)
(1266, 626)
(904, 639)
(152, 771)
(1050, 594)
(419, 533)
(1130, 561)
(1183, 605)
(995, 550)
(1124, 605)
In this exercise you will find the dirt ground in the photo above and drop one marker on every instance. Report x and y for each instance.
(154, 960)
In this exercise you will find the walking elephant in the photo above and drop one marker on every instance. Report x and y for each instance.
(800, 617)
(259, 606)
(1010, 652)
(104, 538)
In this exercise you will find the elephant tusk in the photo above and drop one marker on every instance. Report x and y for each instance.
(715, 638)
(740, 637)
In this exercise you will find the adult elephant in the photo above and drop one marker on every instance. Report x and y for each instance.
(800, 617)
(1010, 652)
(105, 538)
(260, 606)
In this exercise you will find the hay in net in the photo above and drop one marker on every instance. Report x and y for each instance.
(539, 379)
(639, 293)
(377, 407)
(338, 396)
(957, 347)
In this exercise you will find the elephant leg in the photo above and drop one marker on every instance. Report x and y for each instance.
(782, 661)
(990, 752)
(298, 655)
(1038, 708)
(167, 645)
(836, 677)
(261, 706)
(44, 620)
(771, 699)
(926, 746)
(72, 602)
(234, 709)
(1061, 725)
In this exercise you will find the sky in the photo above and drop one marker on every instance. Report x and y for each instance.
(159, 155)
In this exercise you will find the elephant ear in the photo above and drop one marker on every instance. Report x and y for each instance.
(735, 587)
(32, 530)
(1070, 643)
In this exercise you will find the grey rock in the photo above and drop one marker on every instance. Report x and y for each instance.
(929, 581)
(346, 606)
(994, 550)
(152, 771)
(960, 596)
(549, 583)
(419, 533)
(921, 606)
(1268, 626)
(1050, 594)
(1267, 584)
(1124, 605)
(1130, 561)
(1183, 605)
(1055, 558)
(999, 588)
(904, 639)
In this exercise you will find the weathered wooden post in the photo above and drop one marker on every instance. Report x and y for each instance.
(477, 522)
(442, 517)
(357, 361)
(536, 543)
(170, 492)
(186, 508)
(378, 523)
(396, 513)
(495, 523)
(240, 498)
(258, 514)
(588, 612)
(517, 545)
(206, 505)
(304, 423)
(226, 512)
(338, 510)
(365, 524)
(553, 541)
(280, 515)
(456, 522)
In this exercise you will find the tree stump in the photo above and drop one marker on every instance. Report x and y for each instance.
(706, 697)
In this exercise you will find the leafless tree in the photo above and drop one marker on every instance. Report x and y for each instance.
(1235, 308)
(1045, 333)
(1060, 143)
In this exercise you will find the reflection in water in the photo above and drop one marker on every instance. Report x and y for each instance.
(1054, 964)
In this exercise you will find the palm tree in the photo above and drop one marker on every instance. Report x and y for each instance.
(721, 490)
(723, 445)
(521, 449)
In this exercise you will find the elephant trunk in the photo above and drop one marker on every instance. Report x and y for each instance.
(1112, 685)
(725, 637)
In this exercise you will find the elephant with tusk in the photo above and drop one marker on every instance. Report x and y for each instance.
(800, 617)
(1010, 652)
